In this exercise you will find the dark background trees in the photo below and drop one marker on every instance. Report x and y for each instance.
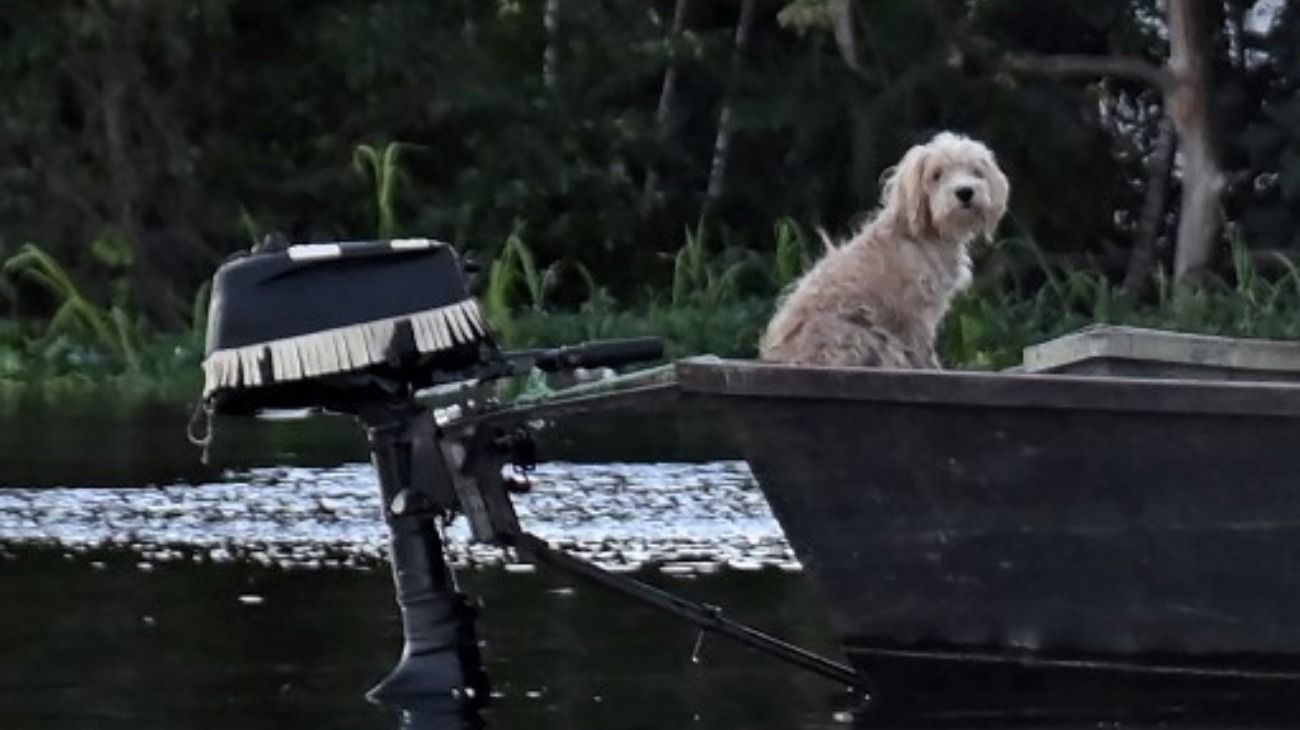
(142, 141)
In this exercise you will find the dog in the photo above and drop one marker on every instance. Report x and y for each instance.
(878, 300)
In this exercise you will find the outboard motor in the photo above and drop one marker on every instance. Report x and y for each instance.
(362, 329)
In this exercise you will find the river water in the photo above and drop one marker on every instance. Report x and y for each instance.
(141, 589)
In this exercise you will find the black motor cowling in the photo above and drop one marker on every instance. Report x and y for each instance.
(338, 323)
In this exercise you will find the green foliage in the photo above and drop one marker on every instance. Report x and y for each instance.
(991, 324)
(1031, 301)
(75, 315)
(513, 269)
(239, 118)
(699, 278)
(1269, 206)
(232, 119)
(1020, 298)
(86, 343)
(792, 254)
(730, 329)
(803, 16)
(384, 170)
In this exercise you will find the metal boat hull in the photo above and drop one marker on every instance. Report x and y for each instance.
(1032, 529)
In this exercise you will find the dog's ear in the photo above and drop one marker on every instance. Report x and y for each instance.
(999, 193)
(905, 193)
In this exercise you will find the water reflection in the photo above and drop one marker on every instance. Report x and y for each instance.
(93, 641)
(438, 715)
(698, 517)
(113, 441)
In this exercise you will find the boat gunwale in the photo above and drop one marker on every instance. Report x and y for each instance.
(717, 377)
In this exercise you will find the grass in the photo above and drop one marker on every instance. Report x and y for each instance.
(731, 329)
(76, 316)
(987, 329)
(383, 169)
(997, 318)
(718, 300)
(85, 346)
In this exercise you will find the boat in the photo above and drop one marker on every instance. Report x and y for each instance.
(1116, 519)
(1044, 538)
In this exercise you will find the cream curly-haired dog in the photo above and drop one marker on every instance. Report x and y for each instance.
(878, 299)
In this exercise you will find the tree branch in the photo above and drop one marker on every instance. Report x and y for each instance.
(722, 144)
(842, 23)
(1142, 260)
(1127, 67)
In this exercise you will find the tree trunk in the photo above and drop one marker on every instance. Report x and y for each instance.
(722, 143)
(663, 112)
(1188, 105)
(1143, 257)
(551, 56)
(846, 34)
(469, 27)
(1185, 82)
(1237, 50)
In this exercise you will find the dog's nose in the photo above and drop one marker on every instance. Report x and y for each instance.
(964, 194)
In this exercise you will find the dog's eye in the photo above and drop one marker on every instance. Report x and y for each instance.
(979, 174)
(935, 177)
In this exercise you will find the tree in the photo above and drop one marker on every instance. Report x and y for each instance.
(664, 109)
(726, 122)
(1185, 82)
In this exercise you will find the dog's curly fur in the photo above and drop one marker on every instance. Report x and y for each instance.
(878, 299)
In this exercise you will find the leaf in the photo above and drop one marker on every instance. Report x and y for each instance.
(128, 345)
(113, 251)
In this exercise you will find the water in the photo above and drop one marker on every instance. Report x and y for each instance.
(683, 517)
(140, 589)
(94, 641)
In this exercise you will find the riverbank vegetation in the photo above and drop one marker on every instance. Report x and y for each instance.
(630, 168)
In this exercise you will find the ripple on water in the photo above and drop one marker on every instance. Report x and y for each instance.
(694, 517)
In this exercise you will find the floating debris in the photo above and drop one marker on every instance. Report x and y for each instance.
(250, 599)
